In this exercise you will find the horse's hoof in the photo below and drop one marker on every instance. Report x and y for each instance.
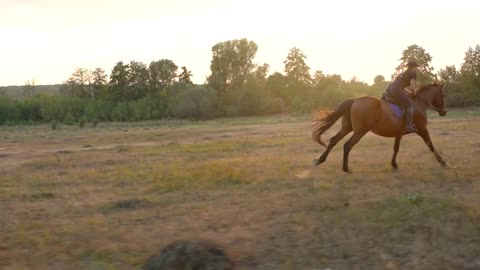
(395, 166)
(315, 162)
(347, 171)
(444, 164)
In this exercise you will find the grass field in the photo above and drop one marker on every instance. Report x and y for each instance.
(110, 196)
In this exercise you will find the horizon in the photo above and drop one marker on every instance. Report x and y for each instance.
(47, 40)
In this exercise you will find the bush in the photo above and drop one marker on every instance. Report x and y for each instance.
(53, 107)
(94, 122)
(273, 105)
(81, 122)
(121, 112)
(8, 110)
(68, 119)
(299, 104)
(195, 102)
(53, 124)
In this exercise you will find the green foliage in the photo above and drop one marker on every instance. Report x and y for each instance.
(463, 87)
(471, 65)
(196, 102)
(68, 119)
(118, 82)
(162, 73)
(53, 107)
(414, 199)
(424, 59)
(29, 88)
(53, 124)
(81, 122)
(301, 105)
(137, 80)
(379, 79)
(296, 70)
(232, 61)
(236, 87)
(185, 76)
(29, 109)
(277, 85)
(8, 111)
(121, 112)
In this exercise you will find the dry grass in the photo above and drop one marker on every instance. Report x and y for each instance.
(109, 197)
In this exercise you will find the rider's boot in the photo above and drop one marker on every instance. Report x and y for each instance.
(409, 127)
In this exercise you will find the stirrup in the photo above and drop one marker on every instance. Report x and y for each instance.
(409, 129)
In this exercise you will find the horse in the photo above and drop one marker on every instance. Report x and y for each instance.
(367, 113)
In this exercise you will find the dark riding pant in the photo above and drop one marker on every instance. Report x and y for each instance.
(400, 96)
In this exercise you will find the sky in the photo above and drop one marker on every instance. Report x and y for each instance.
(46, 40)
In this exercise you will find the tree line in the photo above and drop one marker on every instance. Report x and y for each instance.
(237, 86)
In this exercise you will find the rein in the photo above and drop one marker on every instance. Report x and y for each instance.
(421, 99)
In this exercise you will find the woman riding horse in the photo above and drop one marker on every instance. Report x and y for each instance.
(364, 114)
(397, 90)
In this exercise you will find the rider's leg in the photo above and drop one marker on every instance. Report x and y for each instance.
(409, 128)
(402, 98)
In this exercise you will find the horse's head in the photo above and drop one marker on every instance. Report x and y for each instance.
(436, 97)
(439, 103)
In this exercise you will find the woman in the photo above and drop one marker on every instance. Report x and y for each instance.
(397, 90)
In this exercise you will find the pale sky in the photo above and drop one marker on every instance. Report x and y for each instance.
(46, 40)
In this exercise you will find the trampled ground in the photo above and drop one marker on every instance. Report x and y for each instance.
(110, 196)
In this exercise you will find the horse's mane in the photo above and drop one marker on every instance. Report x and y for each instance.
(425, 87)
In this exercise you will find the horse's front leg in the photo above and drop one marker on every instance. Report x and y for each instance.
(396, 146)
(422, 131)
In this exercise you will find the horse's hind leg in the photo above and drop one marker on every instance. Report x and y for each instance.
(346, 128)
(357, 135)
(396, 147)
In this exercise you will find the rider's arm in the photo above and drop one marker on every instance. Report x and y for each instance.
(413, 85)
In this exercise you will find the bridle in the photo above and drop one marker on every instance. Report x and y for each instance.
(440, 110)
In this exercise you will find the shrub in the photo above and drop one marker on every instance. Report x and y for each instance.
(195, 102)
(53, 124)
(68, 119)
(81, 122)
(121, 112)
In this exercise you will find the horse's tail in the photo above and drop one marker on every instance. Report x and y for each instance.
(323, 120)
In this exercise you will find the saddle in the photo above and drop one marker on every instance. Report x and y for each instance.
(397, 110)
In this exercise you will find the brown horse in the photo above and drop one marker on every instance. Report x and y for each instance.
(365, 114)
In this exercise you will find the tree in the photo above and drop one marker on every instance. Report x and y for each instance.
(99, 81)
(277, 83)
(260, 75)
(470, 69)
(138, 79)
(118, 82)
(29, 88)
(163, 73)
(79, 84)
(449, 74)
(469, 78)
(232, 61)
(334, 81)
(318, 79)
(378, 87)
(296, 70)
(185, 76)
(417, 53)
(471, 64)
(379, 79)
